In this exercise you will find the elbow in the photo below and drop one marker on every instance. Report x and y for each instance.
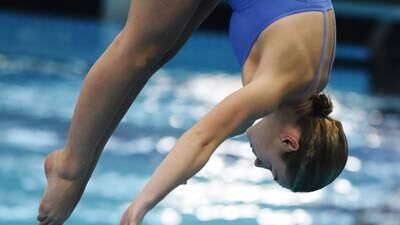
(198, 137)
(196, 150)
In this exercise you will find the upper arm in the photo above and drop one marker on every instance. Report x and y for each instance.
(243, 127)
(255, 100)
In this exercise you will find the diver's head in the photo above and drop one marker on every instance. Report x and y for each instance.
(304, 148)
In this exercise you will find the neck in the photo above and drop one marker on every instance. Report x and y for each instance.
(286, 115)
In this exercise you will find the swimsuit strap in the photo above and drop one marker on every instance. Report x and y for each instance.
(334, 49)
(323, 53)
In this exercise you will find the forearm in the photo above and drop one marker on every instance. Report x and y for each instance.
(186, 158)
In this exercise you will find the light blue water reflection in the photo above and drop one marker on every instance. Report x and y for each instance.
(42, 64)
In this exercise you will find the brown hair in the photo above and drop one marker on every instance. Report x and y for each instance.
(323, 149)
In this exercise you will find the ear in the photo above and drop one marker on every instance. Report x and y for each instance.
(290, 142)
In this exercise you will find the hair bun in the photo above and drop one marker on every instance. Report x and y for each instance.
(322, 105)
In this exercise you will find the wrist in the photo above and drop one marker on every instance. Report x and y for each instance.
(139, 208)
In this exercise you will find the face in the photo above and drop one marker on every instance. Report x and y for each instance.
(269, 139)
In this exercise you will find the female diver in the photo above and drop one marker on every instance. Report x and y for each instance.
(286, 49)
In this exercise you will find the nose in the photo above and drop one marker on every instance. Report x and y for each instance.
(252, 149)
(248, 134)
(248, 129)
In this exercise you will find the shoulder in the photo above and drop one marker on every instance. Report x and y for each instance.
(283, 86)
(235, 112)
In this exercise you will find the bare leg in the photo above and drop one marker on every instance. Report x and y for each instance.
(109, 89)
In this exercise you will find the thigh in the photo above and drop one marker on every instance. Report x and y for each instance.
(204, 10)
(157, 24)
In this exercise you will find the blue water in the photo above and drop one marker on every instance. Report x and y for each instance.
(42, 65)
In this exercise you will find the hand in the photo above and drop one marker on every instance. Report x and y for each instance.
(131, 216)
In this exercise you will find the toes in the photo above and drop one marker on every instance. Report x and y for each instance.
(43, 212)
(40, 218)
(48, 221)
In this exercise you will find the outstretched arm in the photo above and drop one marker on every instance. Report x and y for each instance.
(194, 148)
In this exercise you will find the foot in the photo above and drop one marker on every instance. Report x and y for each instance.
(63, 191)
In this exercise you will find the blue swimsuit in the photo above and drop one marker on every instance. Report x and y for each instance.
(251, 17)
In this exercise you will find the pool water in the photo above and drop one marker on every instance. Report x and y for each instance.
(42, 65)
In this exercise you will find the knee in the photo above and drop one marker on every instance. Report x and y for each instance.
(140, 54)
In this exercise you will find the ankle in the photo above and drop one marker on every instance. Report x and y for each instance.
(69, 167)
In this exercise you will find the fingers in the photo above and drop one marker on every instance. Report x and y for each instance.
(128, 219)
(124, 220)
